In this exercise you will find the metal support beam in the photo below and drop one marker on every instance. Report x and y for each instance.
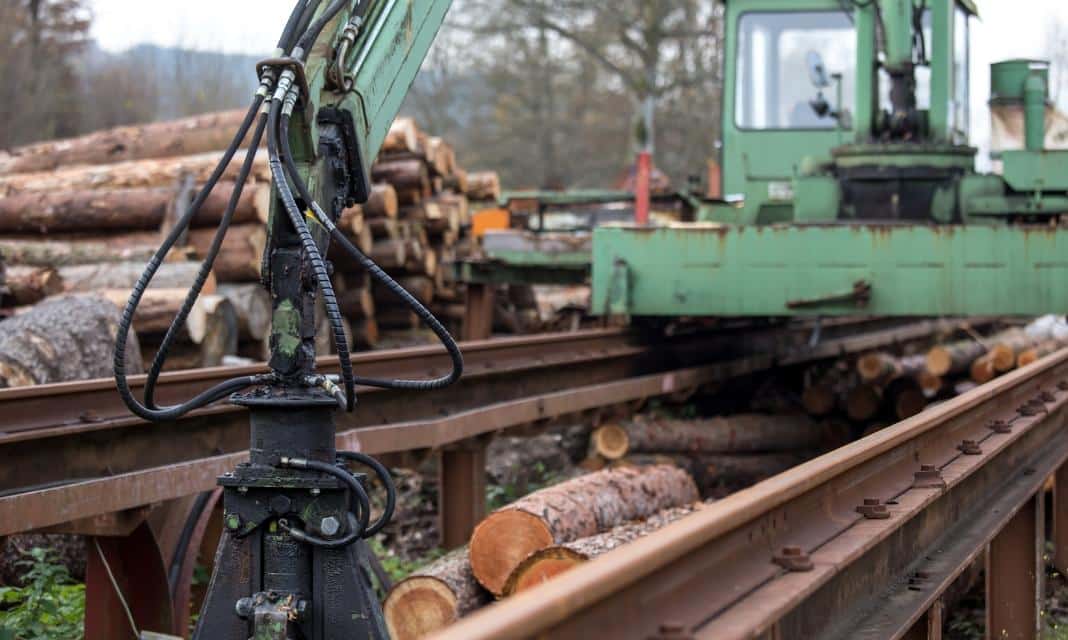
(461, 491)
(929, 626)
(1060, 519)
(478, 317)
(1014, 575)
(126, 573)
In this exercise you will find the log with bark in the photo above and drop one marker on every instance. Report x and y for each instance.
(544, 564)
(404, 137)
(409, 177)
(484, 185)
(86, 278)
(56, 252)
(571, 510)
(729, 434)
(719, 474)
(433, 597)
(1038, 352)
(60, 339)
(195, 134)
(382, 203)
(102, 210)
(164, 172)
(953, 359)
(252, 309)
(30, 285)
(240, 259)
(421, 287)
(862, 403)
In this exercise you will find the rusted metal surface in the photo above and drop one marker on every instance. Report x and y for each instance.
(714, 573)
(478, 311)
(1014, 571)
(461, 491)
(58, 472)
(126, 572)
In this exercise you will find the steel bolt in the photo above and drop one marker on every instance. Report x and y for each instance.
(928, 477)
(1000, 426)
(970, 448)
(793, 558)
(873, 509)
(1046, 397)
(242, 490)
(330, 526)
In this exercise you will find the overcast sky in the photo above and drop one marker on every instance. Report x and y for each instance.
(1007, 29)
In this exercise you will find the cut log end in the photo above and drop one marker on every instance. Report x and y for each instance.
(419, 606)
(503, 540)
(610, 441)
(540, 567)
(939, 361)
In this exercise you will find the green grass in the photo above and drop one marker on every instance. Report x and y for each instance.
(49, 607)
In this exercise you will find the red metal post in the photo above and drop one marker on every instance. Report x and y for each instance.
(641, 187)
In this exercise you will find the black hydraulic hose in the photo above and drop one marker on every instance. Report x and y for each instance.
(386, 480)
(409, 300)
(205, 268)
(126, 321)
(357, 523)
(312, 34)
(305, 19)
(296, 218)
(285, 41)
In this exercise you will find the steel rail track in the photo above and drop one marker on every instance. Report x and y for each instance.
(61, 467)
(792, 557)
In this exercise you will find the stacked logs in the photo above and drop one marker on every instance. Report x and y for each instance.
(723, 454)
(519, 545)
(86, 214)
(883, 387)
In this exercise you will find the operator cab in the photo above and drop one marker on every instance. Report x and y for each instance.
(793, 93)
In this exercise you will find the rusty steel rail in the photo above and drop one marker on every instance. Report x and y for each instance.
(859, 543)
(61, 468)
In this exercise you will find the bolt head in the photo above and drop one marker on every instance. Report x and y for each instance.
(244, 608)
(330, 525)
(871, 502)
(233, 521)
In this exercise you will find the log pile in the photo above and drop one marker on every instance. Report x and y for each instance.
(516, 547)
(85, 215)
(884, 387)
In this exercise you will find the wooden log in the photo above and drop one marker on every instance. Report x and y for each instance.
(433, 597)
(904, 398)
(730, 434)
(384, 229)
(124, 275)
(421, 287)
(717, 474)
(355, 302)
(351, 221)
(241, 257)
(609, 441)
(89, 250)
(404, 137)
(61, 339)
(389, 254)
(457, 182)
(364, 333)
(196, 134)
(982, 369)
(212, 323)
(252, 308)
(862, 402)
(30, 285)
(382, 203)
(396, 318)
(954, 358)
(440, 156)
(484, 185)
(163, 172)
(409, 177)
(883, 367)
(1007, 346)
(818, 399)
(1037, 352)
(544, 564)
(101, 210)
(571, 510)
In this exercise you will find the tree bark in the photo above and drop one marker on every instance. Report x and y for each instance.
(196, 134)
(404, 137)
(433, 597)
(162, 172)
(730, 434)
(61, 339)
(544, 564)
(355, 302)
(953, 359)
(30, 285)
(92, 250)
(241, 257)
(571, 510)
(421, 287)
(408, 176)
(102, 210)
(484, 185)
(211, 324)
(252, 309)
(87, 278)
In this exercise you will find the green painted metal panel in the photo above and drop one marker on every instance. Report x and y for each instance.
(1036, 170)
(712, 270)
